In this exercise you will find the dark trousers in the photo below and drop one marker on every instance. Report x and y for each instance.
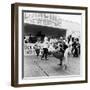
(37, 51)
(45, 53)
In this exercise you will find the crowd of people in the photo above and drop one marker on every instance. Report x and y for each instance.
(60, 48)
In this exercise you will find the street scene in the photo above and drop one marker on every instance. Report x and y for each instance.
(52, 44)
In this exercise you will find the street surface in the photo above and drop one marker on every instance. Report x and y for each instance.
(35, 67)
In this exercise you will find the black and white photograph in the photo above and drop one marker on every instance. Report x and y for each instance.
(50, 44)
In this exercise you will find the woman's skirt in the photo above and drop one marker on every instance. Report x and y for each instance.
(58, 55)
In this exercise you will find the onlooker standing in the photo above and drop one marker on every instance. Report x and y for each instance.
(76, 48)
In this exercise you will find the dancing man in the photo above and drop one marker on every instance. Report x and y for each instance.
(45, 49)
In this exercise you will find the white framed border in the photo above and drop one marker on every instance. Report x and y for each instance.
(51, 79)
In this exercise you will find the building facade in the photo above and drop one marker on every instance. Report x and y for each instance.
(53, 21)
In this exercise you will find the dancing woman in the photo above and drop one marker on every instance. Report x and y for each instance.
(61, 53)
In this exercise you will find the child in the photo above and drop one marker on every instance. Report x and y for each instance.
(45, 48)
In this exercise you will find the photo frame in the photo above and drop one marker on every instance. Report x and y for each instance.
(41, 31)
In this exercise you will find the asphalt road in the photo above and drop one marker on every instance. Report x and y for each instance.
(35, 67)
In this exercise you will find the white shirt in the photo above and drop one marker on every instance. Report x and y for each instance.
(45, 44)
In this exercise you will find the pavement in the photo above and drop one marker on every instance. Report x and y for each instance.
(35, 67)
